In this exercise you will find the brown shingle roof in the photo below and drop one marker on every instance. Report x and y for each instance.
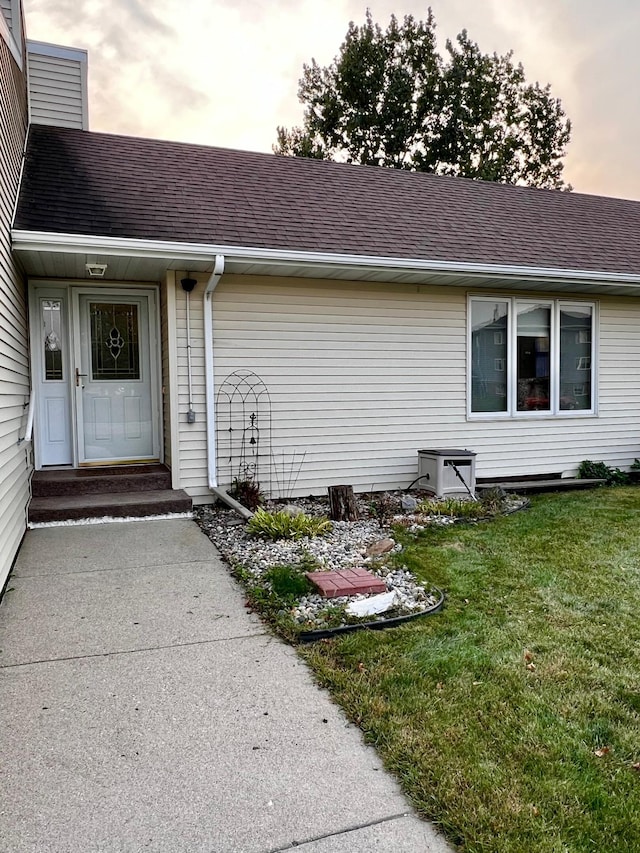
(77, 182)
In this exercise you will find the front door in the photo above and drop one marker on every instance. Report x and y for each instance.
(96, 375)
(113, 377)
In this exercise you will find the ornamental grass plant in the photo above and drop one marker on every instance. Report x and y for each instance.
(284, 525)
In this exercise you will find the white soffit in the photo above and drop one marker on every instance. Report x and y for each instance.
(46, 254)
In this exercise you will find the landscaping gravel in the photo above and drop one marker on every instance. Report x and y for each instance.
(345, 547)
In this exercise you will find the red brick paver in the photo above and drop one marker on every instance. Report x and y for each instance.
(346, 582)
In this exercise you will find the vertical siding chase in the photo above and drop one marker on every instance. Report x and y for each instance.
(56, 91)
(14, 374)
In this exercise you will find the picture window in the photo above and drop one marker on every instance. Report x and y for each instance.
(546, 349)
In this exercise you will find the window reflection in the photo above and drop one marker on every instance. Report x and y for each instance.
(489, 356)
(575, 357)
(533, 370)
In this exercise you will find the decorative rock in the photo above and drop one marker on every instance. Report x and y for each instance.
(292, 510)
(408, 503)
(383, 546)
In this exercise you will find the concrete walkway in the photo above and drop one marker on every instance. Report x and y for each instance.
(143, 708)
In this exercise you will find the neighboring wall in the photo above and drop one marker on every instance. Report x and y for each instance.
(6, 7)
(14, 376)
(361, 376)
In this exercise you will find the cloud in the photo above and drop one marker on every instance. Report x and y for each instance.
(590, 57)
(144, 17)
(78, 15)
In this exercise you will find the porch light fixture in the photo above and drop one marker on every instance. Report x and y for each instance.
(96, 270)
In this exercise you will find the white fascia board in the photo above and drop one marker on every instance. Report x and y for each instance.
(57, 51)
(53, 242)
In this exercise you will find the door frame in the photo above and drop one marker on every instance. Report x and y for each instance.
(72, 291)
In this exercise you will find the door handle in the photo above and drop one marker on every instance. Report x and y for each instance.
(78, 375)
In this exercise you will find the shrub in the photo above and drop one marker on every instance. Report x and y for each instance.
(600, 471)
(288, 581)
(382, 507)
(247, 492)
(490, 502)
(281, 525)
(274, 594)
(493, 500)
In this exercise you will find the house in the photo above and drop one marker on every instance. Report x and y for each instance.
(303, 323)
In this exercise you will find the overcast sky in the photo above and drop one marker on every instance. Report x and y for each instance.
(225, 72)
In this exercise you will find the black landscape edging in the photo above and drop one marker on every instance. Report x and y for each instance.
(327, 633)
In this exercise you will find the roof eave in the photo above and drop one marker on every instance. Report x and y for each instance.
(190, 253)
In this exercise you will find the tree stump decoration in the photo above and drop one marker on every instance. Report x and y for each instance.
(342, 503)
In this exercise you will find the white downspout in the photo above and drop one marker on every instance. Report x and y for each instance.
(209, 378)
(210, 391)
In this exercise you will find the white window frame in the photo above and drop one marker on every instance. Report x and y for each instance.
(556, 306)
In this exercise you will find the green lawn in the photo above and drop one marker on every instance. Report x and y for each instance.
(512, 718)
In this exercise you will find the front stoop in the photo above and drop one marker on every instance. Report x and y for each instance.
(132, 491)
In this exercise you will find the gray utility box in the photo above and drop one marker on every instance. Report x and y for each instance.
(437, 475)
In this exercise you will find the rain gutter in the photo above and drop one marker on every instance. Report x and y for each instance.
(193, 252)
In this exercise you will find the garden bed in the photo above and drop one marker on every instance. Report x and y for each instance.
(274, 570)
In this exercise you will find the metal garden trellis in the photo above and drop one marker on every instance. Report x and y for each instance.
(243, 429)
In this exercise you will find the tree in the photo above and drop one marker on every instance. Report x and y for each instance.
(390, 99)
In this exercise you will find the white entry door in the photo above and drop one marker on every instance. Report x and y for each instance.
(115, 385)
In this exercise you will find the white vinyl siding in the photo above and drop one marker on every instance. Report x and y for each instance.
(57, 86)
(14, 371)
(362, 376)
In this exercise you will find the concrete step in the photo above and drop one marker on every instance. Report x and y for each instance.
(114, 504)
(93, 481)
(552, 485)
